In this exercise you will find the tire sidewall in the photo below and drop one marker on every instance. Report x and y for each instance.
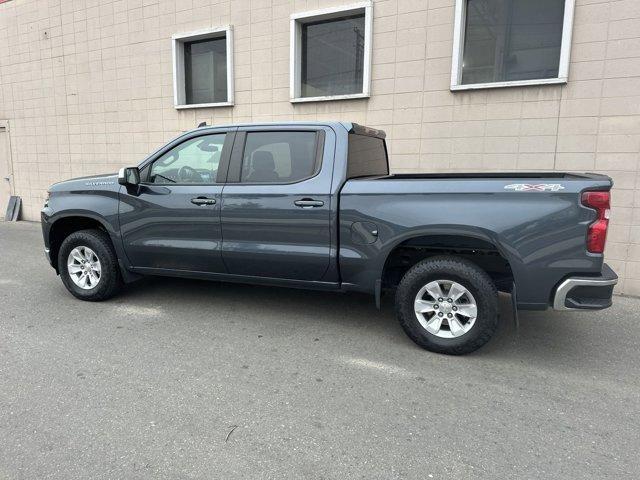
(482, 290)
(104, 254)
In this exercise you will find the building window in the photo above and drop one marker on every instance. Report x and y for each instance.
(331, 53)
(203, 68)
(502, 43)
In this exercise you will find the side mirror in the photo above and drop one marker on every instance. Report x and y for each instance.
(129, 176)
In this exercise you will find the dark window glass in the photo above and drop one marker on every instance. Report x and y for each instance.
(278, 157)
(205, 64)
(332, 57)
(509, 40)
(367, 157)
(193, 161)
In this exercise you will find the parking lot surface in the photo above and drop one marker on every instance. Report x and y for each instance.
(179, 379)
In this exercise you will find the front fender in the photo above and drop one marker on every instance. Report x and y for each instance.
(100, 207)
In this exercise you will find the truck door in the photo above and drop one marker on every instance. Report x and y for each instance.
(276, 204)
(172, 220)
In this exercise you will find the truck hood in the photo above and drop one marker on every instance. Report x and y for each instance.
(91, 182)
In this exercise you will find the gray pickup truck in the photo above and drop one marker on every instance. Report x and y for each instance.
(312, 205)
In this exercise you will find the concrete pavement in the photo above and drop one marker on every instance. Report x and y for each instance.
(178, 379)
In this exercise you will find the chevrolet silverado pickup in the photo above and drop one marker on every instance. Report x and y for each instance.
(313, 205)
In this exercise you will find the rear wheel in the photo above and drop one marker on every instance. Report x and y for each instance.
(447, 305)
(88, 265)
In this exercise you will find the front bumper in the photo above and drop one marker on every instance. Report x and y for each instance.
(586, 293)
(45, 214)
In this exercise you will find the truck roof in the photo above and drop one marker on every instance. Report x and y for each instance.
(350, 127)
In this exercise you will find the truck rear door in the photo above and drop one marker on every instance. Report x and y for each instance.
(276, 203)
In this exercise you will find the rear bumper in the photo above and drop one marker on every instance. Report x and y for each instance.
(586, 293)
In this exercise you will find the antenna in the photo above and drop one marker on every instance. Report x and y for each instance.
(202, 124)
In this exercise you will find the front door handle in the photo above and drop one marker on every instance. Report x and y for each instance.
(203, 201)
(308, 203)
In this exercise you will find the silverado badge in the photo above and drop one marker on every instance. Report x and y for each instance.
(98, 184)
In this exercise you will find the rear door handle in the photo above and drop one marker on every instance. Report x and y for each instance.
(308, 203)
(203, 201)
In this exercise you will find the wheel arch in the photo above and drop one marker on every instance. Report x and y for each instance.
(482, 248)
(65, 225)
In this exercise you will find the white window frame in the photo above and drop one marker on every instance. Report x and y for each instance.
(458, 46)
(295, 50)
(179, 88)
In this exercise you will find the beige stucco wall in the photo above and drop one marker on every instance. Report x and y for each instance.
(87, 87)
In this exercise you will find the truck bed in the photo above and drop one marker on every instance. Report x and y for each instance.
(536, 219)
(495, 175)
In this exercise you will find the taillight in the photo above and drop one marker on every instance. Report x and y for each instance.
(597, 233)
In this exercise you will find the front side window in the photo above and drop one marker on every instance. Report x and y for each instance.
(278, 157)
(202, 69)
(192, 162)
(331, 54)
(509, 41)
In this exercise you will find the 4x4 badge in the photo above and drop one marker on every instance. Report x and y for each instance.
(537, 187)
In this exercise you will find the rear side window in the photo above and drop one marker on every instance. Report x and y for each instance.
(278, 157)
(367, 156)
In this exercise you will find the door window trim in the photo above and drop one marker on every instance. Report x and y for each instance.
(237, 156)
(223, 166)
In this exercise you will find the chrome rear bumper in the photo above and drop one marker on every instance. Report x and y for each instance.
(586, 293)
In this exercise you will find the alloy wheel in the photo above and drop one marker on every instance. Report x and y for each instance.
(84, 267)
(445, 308)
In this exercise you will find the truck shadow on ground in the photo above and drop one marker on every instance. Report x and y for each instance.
(545, 336)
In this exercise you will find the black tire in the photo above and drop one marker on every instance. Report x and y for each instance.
(110, 280)
(467, 274)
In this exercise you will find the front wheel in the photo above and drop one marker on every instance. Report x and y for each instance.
(447, 305)
(88, 265)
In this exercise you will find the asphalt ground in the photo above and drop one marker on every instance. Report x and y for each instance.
(179, 379)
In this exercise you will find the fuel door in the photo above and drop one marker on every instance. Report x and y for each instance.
(364, 233)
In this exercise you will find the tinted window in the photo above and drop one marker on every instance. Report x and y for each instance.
(193, 161)
(205, 63)
(508, 40)
(367, 156)
(278, 157)
(332, 57)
